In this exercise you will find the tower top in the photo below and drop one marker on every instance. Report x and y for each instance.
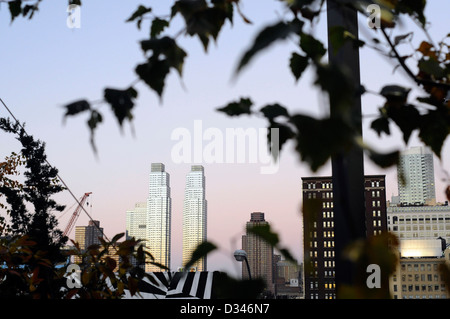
(257, 217)
(158, 167)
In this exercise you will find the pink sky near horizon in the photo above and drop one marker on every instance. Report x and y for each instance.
(47, 65)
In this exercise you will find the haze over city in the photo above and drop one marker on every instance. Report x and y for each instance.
(46, 65)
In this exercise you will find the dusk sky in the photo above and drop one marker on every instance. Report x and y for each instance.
(45, 65)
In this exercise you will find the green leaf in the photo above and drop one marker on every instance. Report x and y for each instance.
(312, 47)
(237, 108)
(264, 39)
(201, 251)
(265, 233)
(298, 64)
(395, 94)
(339, 36)
(432, 67)
(158, 26)
(154, 73)
(434, 129)
(319, 139)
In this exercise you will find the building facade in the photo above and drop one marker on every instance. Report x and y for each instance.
(415, 173)
(88, 235)
(159, 216)
(136, 225)
(420, 277)
(259, 253)
(194, 216)
(318, 232)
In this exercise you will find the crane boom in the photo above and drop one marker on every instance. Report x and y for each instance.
(75, 215)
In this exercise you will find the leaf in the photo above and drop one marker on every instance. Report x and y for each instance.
(77, 107)
(121, 102)
(201, 251)
(320, 139)
(381, 125)
(272, 111)
(264, 39)
(140, 11)
(154, 73)
(264, 232)
(298, 64)
(237, 108)
(169, 49)
(285, 133)
(434, 129)
(339, 36)
(398, 39)
(93, 121)
(395, 93)
(312, 47)
(407, 118)
(432, 67)
(117, 237)
(158, 25)
(15, 8)
(384, 160)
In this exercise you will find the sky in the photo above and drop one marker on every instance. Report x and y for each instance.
(44, 65)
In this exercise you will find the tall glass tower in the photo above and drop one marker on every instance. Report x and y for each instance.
(194, 215)
(159, 208)
(416, 177)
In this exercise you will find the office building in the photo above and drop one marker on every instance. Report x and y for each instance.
(418, 274)
(194, 216)
(259, 253)
(159, 210)
(88, 235)
(415, 173)
(136, 225)
(318, 232)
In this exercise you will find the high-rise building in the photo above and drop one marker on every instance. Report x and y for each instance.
(259, 253)
(416, 177)
(136, 224)
(88, 235)
(137, 221)
(318, 232)
(159, 208)
(194, 216)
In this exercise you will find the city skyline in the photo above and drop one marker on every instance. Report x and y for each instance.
(115, 173)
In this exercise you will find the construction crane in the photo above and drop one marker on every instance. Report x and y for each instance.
(75, 215)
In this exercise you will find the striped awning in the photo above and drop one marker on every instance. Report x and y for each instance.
(175, 285)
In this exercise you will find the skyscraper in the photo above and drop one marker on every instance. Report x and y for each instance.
(416, 177)
(159, 208)
(259, 252)
(318, 229)
(89, 235)
(136, 225)
(194, 215)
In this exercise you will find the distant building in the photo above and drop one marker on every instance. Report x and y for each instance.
(418, 275)
(414, 222)
(136, 225)
(89, 235)
(259, 253)
(318, 232)
(194, 216)
(159, 210)
(415, 173)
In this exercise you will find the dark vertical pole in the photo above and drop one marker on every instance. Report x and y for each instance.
(348, 167)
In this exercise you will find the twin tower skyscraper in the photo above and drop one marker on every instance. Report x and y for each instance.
(151, 221)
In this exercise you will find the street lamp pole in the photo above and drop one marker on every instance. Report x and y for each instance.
(240, 256)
